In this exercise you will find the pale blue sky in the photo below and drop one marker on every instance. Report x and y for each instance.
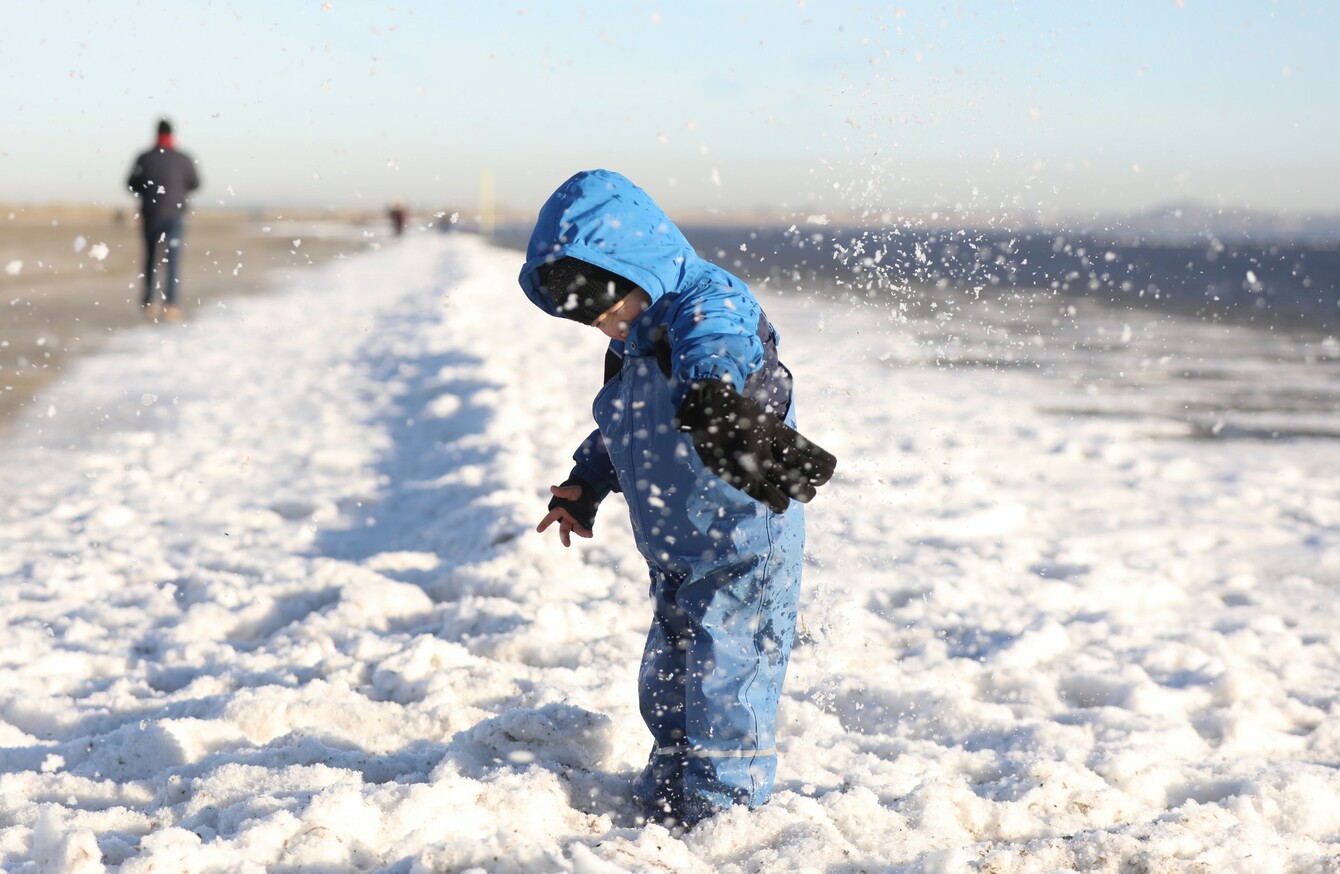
(1012, 107)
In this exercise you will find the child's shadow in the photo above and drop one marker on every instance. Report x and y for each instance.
(568, 741)
(430, 518)
(429, 512)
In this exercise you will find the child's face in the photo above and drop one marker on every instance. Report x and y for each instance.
(614, 321)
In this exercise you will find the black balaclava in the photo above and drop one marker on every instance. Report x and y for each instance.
(582, 291)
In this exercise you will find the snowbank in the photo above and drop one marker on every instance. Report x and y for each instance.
(271, 601)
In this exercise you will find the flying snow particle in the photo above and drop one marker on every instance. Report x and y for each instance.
(148, 400)
(14, 268)
(80, 242)
(98, 252)
(716, 177)
(1251, 276)
(325, 7)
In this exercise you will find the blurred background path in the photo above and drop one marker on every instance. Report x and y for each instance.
(69, 278)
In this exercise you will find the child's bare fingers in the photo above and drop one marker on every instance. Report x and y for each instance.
(565, 531)
(567, 493)
(550, 518)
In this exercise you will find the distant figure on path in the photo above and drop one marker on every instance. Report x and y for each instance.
(161, 179)
(399, 215)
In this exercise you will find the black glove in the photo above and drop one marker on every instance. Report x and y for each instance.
(751, 448)
(582, 510)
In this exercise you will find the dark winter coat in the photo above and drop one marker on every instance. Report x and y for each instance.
(162, 178)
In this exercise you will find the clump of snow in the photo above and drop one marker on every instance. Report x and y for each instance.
(283, 609)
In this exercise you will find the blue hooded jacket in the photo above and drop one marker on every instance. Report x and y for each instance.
(725, 568)
(602, 218)
(703, 323)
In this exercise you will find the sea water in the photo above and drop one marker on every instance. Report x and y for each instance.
(1201, 338)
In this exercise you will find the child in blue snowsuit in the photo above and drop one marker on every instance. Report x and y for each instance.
(695, 426)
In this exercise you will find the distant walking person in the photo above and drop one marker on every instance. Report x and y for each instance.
(399, 215)
(162, 178)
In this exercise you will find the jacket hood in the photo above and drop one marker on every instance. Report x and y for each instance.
(600, 217)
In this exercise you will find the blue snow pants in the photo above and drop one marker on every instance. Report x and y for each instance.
(725, 584)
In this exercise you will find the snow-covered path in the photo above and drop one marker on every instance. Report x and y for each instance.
(271, 601)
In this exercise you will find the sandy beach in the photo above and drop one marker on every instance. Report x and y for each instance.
(71, 277)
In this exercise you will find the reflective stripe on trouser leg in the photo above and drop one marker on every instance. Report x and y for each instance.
(712, 675)
(685, 750)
